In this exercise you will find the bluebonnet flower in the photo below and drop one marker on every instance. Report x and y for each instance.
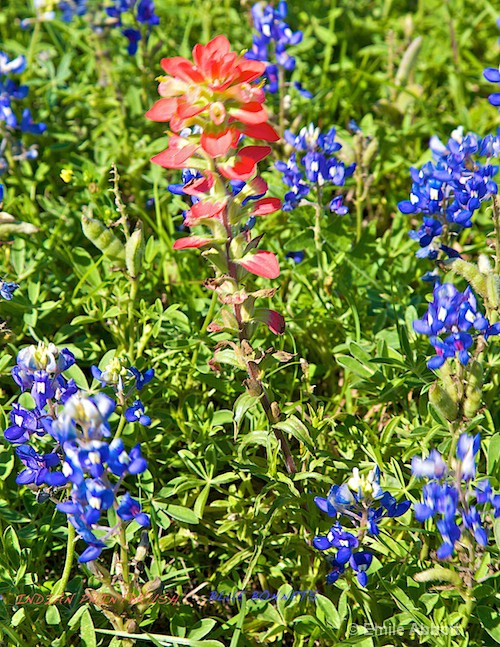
(363, 501)
(37, 467)
(130, 509)
(492, 74)
(451, 498)
(454, 314)
(11, 93)
(297, 257)
(143, 12)
(135, 413)
(79, 423)
(72, 8)
(7, 289)
(270, 44)
(451, 188)
(318, 167)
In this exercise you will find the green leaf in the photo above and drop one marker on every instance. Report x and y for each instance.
(180, 513)
(87, 631)
(296, 428)
(355, 366)
(326, 612)
(52, 615)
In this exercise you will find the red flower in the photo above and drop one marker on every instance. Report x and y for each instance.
(216, 90)
(261, 263)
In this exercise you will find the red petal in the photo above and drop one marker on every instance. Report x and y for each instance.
(200, 185)
(261, 131)
(249, 70)
(181, 68)
(191, 242)
(250, 113)
(204, 209)
(265, 206)
(186, 110)
(245, 164)
(217, 144)
(175, 157)
(163, 110)
(261, 264)
(218, 45)
(275, 322)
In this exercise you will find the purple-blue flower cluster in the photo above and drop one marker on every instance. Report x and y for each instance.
(492, 74)
(269, 44)
(364, 503)
(83, 470)
(459, 506)
(318, 168)
(7, 289)
(450, 189)
(142, 12)
(453, 314)
(11, 92)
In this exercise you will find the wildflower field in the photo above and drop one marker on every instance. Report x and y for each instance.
(249, 323)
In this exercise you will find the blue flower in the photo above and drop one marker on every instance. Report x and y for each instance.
(120, 462)
(72, 8)
(37, 468)
(492, 74)
(141, 379)
(133, 36)
(297, 257)
(135, 413)
(130, 509)
(450, 497)
(360, 562)
(467, 448)
(451, 188)
(274, 35)
(431, 467)
(24, 424)
(363, 501)
(7, 289)
(15, 66)
(317, 168)
(453, 312)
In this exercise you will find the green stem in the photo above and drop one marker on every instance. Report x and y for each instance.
(33, 43)
(70, 553)
(131, 323)
(124, 557)
(281, 81)
(121, 425)
(359, 206)
(496, 223)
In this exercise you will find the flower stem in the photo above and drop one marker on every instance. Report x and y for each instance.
(496, 223)
(70, 554)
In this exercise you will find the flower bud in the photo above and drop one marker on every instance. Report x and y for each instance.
(370, 152)
(134, 251)
(104, 239)
(493, 290)
(471, 274)
(442, 401)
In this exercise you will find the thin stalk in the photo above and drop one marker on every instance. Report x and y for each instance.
(496, 223)
(131, 324)
(70, 554)
(270, 408)
(281, 82)
(359, 206)
(124, 558)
